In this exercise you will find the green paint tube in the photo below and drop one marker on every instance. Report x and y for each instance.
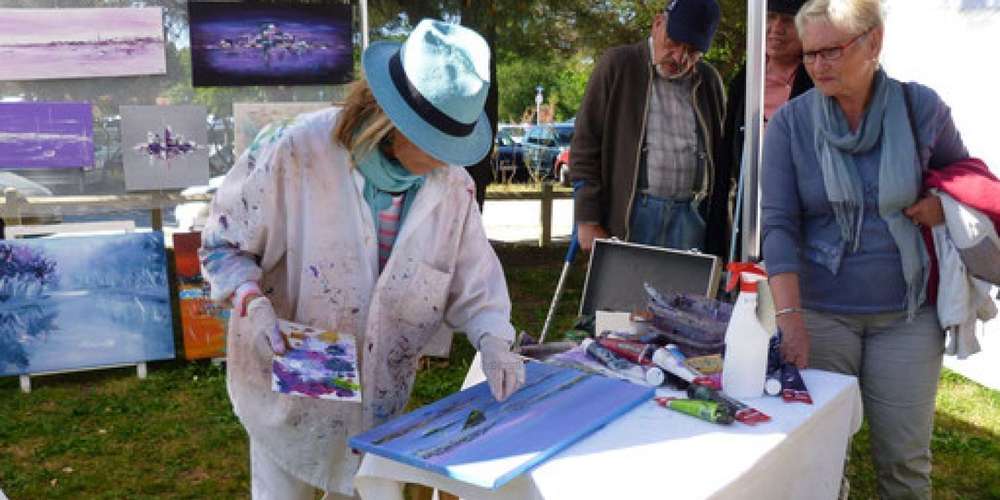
(705, 410)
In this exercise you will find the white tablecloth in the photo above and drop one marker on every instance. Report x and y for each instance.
(652, 452)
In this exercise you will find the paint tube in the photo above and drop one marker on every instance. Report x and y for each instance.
(710, 411)
(604, 356)
(793, 388)
(708, 365)
(640, 354)
(668, 363)
(713, 381)
(657, 377)
(738, 409)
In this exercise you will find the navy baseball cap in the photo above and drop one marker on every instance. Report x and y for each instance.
(790, 7)
(693, 22)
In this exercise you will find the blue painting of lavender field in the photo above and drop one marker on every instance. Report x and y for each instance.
(270, 44)
(82, 302)
(46, 135)
(470, 437)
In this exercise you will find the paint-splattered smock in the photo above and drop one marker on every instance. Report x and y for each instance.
(291, 215)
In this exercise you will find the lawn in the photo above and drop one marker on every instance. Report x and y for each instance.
(106, 434)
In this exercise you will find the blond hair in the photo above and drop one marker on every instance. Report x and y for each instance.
(361, 124)
(851, 16)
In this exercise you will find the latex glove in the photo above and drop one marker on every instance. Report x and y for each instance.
(504, 370)
(264, 322)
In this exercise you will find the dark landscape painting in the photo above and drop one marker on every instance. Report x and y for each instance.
(270, 44)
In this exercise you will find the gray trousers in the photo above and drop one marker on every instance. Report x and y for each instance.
(898, 365)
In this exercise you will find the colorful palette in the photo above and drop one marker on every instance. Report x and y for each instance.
(321, 364)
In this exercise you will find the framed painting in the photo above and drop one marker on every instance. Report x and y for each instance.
(470, 437)
(164, 147)
(73, 303)
(38, 44)
(46, 135)
(234, 44)
(203, 321)
(251, 117)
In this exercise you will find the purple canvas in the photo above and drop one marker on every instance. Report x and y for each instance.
(270, 44)
(40, 44)
(46, 135)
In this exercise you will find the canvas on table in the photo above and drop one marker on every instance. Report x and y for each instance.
(46, 134)
(251, 117)
(203, 321)
(470, 437)
(82, 302)
(320, 364)
(164, 147)
(38, 44)
(270, 44)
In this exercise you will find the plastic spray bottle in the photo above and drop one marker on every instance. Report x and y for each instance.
(744, 366)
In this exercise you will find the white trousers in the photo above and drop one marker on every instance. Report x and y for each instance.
(268, 481)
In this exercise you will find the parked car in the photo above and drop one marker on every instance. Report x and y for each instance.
(516, 132)
(543, 144)
(508, 160)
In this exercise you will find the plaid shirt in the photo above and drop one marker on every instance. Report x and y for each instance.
(671, 141)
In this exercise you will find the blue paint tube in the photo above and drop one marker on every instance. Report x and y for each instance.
(793, 388)
(604, 356)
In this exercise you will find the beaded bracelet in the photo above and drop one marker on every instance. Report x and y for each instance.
(788, 310)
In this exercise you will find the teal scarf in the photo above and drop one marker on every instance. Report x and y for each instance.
(899, 181)
(383, 179)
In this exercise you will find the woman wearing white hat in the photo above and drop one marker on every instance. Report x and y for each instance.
(353, 219)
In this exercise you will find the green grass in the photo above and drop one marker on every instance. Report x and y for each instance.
(107, 434)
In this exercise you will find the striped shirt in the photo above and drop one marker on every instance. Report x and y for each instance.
(671, 141)
(388, 228)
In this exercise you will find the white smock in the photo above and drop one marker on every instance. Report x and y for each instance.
(291, 215)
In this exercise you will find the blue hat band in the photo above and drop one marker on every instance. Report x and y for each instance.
(430, 113)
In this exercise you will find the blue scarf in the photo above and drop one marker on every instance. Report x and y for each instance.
(383, 178)
(899, 181)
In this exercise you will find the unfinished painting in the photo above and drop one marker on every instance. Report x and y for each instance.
(81, 302)
(203, 321)
(46, 134)
(164, 147)
(251, 117)
(320, 364)
(37, 44)
(471, 437)
(270, 44)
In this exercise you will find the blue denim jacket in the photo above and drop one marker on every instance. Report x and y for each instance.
(799, 230)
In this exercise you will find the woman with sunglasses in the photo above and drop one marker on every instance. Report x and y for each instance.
(842, 210)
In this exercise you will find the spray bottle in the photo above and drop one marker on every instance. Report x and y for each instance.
(744, 366)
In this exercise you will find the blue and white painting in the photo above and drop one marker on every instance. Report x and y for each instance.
(83, 302)
(471, 437)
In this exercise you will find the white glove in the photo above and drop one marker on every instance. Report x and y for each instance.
(264, 322)
(504, 370)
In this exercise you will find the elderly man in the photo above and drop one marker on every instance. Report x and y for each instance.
(785, 78)
(650, 119)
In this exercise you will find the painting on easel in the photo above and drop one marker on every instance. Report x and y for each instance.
(203, 321)
(72, 303)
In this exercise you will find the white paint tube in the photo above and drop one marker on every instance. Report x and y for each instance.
(668, 362)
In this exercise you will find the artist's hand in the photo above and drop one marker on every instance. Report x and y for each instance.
(794, 339)
(264, 322)
(587, 233)
(504, 370)
(926, 212)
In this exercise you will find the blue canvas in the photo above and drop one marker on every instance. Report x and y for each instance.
(83, 302)
(470, 437)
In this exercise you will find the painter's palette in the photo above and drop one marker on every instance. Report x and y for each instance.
(321, 364)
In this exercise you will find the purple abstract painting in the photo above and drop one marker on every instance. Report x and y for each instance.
(270, 44)
(46, 135)
(38, 44)
(319, 365)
